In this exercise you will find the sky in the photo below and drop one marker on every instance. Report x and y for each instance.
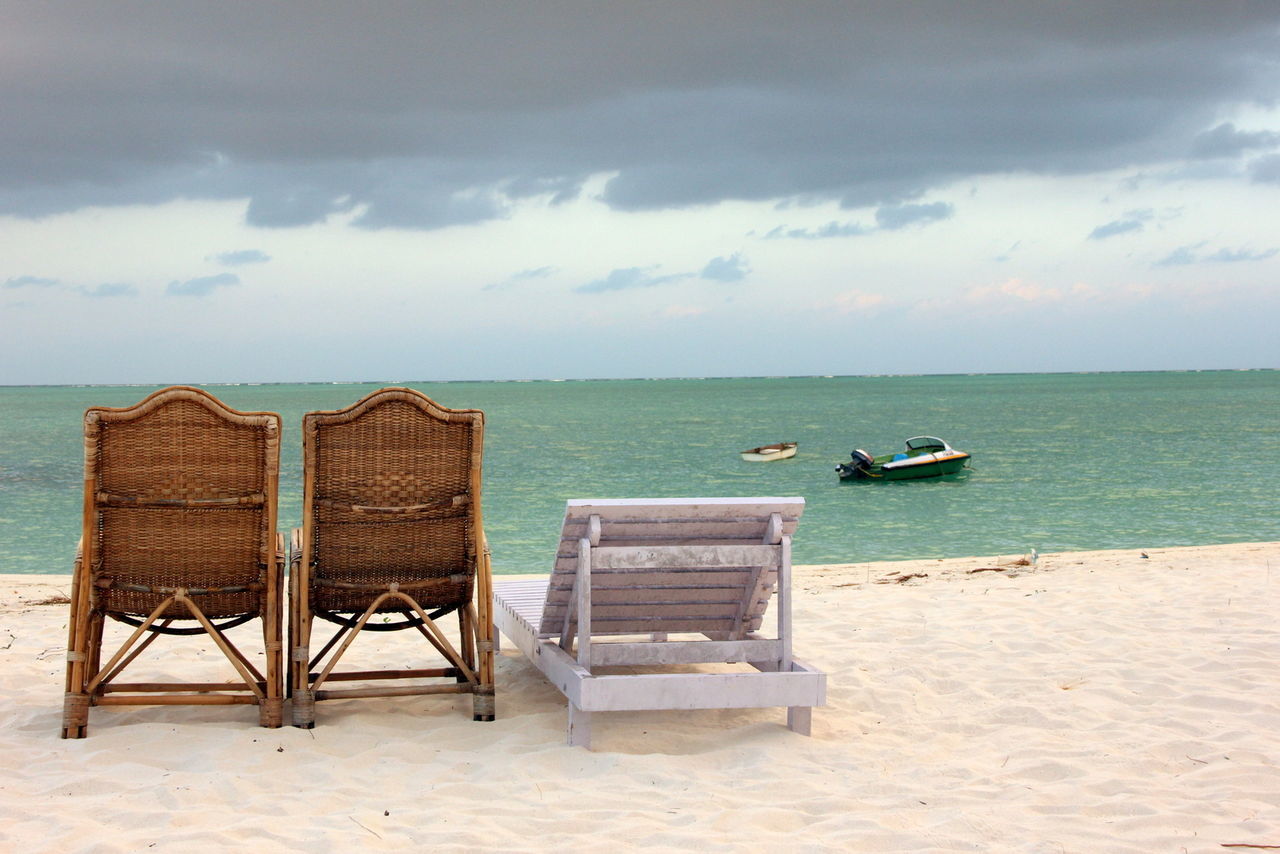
(399, 191)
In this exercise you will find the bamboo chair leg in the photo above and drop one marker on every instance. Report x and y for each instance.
(75, 715)
(76, 700)
(73, 623)
(485, 700)
(291, 645)
(96, 627)
(303, 702)
(304, 708)
(482, 706)
(75, 703)
(96, 676)
(271, 707)
(301, 622)
(466, 630)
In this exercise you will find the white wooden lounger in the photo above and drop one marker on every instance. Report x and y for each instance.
(656, 567)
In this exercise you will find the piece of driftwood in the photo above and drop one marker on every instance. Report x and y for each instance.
(630, 573)
(901, 579)
(391, 539)
(178, 539)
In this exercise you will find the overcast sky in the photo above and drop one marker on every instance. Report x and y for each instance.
(289, 191)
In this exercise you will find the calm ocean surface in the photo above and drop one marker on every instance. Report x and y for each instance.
(1060, 461)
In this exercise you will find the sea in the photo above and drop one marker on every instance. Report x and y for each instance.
(1060, 461)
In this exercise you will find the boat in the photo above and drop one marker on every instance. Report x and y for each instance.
(768, 453)
(925, 456)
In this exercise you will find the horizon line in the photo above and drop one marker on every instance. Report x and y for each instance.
(646, 379)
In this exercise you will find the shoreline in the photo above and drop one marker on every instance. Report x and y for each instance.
(19, 589)
(1093, 701)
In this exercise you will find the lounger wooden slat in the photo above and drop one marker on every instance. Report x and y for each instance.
(630, 574)
(644, 595)
(642, 609)
(692, 578)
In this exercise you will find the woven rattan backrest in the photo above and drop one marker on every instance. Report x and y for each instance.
(180, 491)
(391, 495)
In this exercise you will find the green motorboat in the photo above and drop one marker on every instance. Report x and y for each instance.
(925, 456)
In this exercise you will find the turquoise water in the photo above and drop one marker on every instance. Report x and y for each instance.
(1060, 461)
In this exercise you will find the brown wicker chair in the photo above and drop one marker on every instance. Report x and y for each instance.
(179, 528)
(391, 527)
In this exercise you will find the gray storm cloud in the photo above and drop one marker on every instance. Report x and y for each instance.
(423, 115)
(1226, 140)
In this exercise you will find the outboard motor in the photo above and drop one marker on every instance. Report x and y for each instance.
(859, 464)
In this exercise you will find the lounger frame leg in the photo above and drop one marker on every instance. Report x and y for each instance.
(799, 719)
(579, 727)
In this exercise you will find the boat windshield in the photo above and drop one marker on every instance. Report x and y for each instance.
(925, 443)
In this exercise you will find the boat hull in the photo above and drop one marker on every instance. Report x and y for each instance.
(769, 453)
(912, 468)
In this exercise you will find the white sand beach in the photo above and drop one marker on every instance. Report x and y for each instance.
(1093, 702)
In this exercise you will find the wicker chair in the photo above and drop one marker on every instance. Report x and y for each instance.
(391, 528)
(179, 528)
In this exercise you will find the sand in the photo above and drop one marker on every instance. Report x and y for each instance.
(1094, 702)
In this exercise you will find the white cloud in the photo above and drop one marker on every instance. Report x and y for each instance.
(894, 217)
(202, 286)
(1132, 221)
(242, 256)
(1015, 290)
(630, 278)
(110, 289)
(519, 277)
(683, 311)
(733, 268)
(1191, 254)
(30, 282)
(857, 302)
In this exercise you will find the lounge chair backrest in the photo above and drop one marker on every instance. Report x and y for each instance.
(180, 492)
(392, 495)
(706, 565)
